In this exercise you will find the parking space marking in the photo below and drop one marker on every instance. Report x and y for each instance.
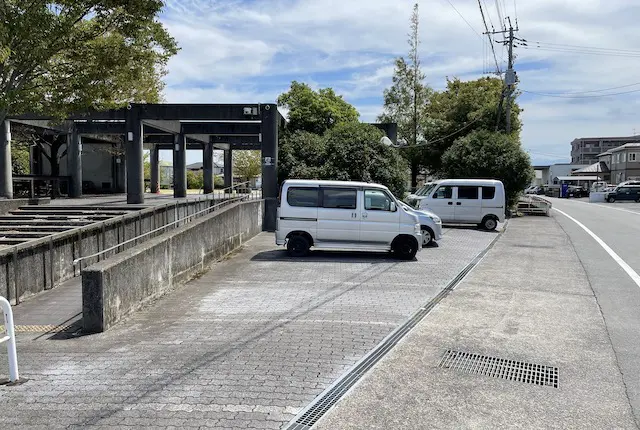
(623, 264)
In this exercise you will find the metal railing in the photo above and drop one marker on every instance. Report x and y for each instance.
(176, 223)
(10, 339)
(533, 205)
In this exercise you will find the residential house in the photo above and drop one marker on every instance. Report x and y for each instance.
(623, 162)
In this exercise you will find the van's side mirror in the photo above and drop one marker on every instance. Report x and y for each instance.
(393, 207)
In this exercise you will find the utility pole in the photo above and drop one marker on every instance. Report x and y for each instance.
(510, 75)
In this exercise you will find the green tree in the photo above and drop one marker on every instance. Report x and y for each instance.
(354, 152)
(349, 151)
(406, 102)
(58, 57)
(195, 180)
(487, 154)
(247, 164)
(20, 159)
(462, 108)
(301, 155)
(315, 111)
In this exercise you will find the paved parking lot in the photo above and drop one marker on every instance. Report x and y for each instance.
(247, 345)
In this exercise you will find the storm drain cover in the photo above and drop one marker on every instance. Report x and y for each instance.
(512, 370)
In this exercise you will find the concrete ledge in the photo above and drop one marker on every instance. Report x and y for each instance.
(7, 205)
(37, 265)
(117, 286)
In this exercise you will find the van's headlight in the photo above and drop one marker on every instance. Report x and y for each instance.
(416, 228)
(436, 219)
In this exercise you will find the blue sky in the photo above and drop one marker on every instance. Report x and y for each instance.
(239, 51)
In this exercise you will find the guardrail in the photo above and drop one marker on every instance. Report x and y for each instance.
(534, 205)
(225, 192)
(10, 338)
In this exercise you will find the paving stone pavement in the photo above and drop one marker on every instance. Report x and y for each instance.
(247, 345)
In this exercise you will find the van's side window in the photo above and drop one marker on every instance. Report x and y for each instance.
(376, 200)
(468, 193)
(444, 192)
(488, 193)
(303, 197)
(339, 198)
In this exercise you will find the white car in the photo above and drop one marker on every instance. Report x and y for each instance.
(430, 224)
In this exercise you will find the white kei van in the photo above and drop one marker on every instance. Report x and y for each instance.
(466, 201)
(344, 215)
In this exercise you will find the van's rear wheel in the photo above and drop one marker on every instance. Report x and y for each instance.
(489, 223)
(298, 246)
(405, 248)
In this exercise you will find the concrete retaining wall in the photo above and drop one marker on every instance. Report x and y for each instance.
(7, 205)
(114, 288)
(41, 264)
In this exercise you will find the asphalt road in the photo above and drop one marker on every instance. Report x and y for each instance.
(618, 226)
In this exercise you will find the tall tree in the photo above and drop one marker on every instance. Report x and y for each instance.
(315, 111)
(463, 107)
(406, 101)
(61, 56)
(488, 154)
(247, 164)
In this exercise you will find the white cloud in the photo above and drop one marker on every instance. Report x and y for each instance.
(249, 51)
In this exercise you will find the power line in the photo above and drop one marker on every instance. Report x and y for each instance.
(464, 19)
(595, 91)
(502, 25)
(577, 51)
(515, 12)
(490, 40)
(442, 138)
(580, 97)
(580, 47)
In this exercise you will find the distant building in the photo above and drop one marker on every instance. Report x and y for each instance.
(585, 150)
(217, 169)
(623, 162)
(548, 175)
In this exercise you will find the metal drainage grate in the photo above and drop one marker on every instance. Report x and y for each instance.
(325, 401)
(512, 370)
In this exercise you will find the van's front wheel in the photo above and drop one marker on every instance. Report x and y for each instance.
(405, 248)
(298, 246)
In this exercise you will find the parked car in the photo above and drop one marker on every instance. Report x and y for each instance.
(624, 193)
(577, 191)
(467, 201)
(430, 224)
(344, 215)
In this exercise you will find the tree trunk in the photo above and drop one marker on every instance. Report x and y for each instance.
(415, 169)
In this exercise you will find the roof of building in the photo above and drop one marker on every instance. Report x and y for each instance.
(604, 153)
(627, 138)
(578, 178)
(625, 146)
(199, 166)
(599, 167)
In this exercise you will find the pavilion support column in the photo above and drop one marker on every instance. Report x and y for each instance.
(134, 157)
(180, 166)
(74, 163)
(269, 132)
(155, 169)
(6, 174)
(228, 168)
(207, 167)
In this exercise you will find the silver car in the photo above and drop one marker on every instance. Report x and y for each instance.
(430, 224)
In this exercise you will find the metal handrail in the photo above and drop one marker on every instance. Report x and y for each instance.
(186, 218)
(10, 338)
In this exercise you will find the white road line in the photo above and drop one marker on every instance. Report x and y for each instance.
(632, 273)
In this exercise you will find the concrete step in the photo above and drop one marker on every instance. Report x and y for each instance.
(54, 217)
(23, 234)
(65, 212)
(12, 221)
(50, 229)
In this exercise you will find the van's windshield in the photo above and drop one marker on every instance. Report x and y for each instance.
(425, 189)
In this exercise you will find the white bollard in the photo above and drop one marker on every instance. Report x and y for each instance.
(10, 338)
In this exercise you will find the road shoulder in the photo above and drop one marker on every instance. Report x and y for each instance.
(528, 300)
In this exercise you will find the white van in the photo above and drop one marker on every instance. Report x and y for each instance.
(466, 201)
(344, 215)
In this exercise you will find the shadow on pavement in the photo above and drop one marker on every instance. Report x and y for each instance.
(329, 257)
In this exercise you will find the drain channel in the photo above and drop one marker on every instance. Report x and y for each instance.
(316, 409)
(511, 370)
